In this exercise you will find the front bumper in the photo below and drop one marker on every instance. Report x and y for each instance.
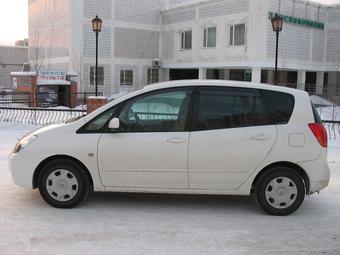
(22, 169)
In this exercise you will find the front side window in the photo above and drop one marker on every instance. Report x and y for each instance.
(209, 37)
(186, 40)
(156, 112)
(100, 75)
(126, 77)
(237, 35)
(152, 75)
(230, 108)
(99, 123)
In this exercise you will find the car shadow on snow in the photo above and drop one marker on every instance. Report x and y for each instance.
(171, 201)
(242, 205)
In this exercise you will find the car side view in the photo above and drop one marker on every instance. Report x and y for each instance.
(187, 137)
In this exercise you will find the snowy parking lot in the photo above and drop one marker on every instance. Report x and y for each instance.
(114, 223)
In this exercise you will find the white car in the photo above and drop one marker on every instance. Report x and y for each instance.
(188, 137)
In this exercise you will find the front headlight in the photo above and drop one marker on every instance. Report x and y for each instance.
(24, 142)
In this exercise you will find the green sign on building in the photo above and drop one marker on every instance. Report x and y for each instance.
(300, 21)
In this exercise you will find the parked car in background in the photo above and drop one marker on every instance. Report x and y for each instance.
(189, 137)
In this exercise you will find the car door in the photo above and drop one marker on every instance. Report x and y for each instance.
(232, 134)
(149, 150)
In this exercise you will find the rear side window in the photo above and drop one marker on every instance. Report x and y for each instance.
(280, 104)
(220, 108)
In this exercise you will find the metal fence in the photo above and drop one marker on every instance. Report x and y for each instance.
(43, 99)
(333, 129)
(38, 116)
(14, 99)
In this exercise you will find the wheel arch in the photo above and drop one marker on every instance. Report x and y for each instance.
(299, 170)
(55, 157)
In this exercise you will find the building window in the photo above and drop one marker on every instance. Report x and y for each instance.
(240, 74)
(100, 75)
(209, 37)
(237, 35)
(153, 75)
(186, 40)
(126, 77)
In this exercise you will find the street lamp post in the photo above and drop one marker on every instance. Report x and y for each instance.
(277, 22)
(97, 27)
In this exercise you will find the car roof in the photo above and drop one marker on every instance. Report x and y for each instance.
(192, 83)
(220, 83)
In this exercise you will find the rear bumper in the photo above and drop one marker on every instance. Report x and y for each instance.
(318, 173)
(317, 186)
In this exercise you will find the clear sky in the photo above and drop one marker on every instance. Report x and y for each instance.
(13, 20)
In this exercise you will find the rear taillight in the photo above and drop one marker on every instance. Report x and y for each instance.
(320, 133)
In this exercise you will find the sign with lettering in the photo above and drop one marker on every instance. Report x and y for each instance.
(24, 81)
(300, 21)
(51, 75)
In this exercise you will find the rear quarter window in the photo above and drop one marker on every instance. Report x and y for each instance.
(280, 105)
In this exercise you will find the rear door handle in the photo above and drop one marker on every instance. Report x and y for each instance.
(261, 137)
(176, 140)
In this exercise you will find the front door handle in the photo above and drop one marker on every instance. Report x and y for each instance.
(261, 137)
(176, 140)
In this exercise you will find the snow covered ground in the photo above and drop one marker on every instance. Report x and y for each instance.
(162, 224)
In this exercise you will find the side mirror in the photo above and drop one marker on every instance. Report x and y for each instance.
(114, 123)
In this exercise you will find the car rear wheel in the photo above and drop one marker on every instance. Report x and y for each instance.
(280, 192)
(63, 183)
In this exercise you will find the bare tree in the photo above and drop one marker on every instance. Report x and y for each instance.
(36, 48)
(78, 66)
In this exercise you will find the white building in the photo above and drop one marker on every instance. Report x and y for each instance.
(225, 39)
(12, 58)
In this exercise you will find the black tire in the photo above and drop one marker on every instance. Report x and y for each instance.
(74, 170)
(263, 191)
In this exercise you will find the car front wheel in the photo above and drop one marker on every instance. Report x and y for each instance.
(63, 184)
(280, 192)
